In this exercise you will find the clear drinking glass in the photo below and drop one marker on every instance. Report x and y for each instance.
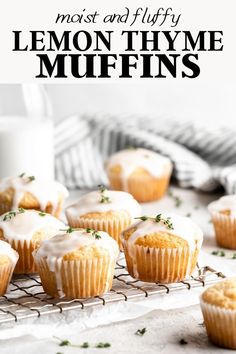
(26, 131)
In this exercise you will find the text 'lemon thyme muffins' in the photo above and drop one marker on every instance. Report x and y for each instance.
(30, 192)
(8, 259)
(218, 304)
(223, 214)
(143, 173)
(162, 249)
(109, 211)
(78, 264)
(24, 230)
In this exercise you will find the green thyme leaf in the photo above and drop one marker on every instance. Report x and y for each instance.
(41, 213)
(22, 175)
(103, 345)
(85, 345)
(141, 332)
(64, 343)
(183, 341)
(104, 198)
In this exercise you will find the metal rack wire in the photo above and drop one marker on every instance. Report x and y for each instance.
(26, 297)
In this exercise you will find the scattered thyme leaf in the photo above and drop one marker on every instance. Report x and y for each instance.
(22, 175)
(85, 345)
(218, 253)
(183, 341)
(41, 213)
(234, 256)
(141, 332)
(188, 215)
(93, 232)
(222, 254)
(196, 207)
(177, 200)
(215, 253)
(103, 345)
(64, 343)
(104, 198)
(31, 178)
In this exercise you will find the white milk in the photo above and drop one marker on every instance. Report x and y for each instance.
(26, 145)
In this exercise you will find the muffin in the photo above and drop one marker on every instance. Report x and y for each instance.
(143, 173)
(29, 192)
(223, 214)
(24, 230)
(218, 304)
(8, 259)
(109, 211)
(160, 249)
(78, 264)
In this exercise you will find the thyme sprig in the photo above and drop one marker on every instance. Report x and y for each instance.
(104, 198)
(8, 216)
(158, 218)
(94, 233)
(27, 178)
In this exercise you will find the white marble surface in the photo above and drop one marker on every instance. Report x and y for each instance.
(164, 328)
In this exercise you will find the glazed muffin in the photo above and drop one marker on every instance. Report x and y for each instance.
(160, 249)
(24, 230)
(78, 264)
(8, 259)
(218, 304)
(223, 214)
(143, 173)
(109, 211)
(29, 192)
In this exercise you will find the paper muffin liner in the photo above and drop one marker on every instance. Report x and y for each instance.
(25, 264)
(113, 226)
(143, 188)
(225, 230)
(220, 324)
(76, 278)
(6, 271)
(164, 265)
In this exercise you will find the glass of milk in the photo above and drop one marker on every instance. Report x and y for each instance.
(26, 141)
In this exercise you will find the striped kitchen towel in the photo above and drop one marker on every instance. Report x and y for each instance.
(203, 157)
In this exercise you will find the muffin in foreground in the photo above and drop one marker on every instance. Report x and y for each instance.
(218, 304)
(223, 214)
(109, 211)
(143, 173)
(29, 192)
(162, 249)
(24, 230)
(8, 259)
(78, 264)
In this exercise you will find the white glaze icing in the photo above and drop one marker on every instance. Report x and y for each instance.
(183, 227)
(227, 202)
(155, 164)
(23, 226)
(7, 250)
(90, 202)
(44, 190)
(58, 246)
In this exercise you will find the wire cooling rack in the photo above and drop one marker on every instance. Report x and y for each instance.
(26, 298)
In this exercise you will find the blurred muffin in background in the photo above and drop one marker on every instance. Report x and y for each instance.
(162, 249)
(77, 264)
(8, 259)
(223, 214)
(143, 173)
(29, 192)
(218, 304)
(104, 210)
(24, 230)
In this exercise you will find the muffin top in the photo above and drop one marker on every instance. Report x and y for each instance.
(44, 191)
(164, 232)
(132, 160)
(24, 225)
(222, 294)
(77, 244)
(7, 250)
(105, 201)
(225, 205)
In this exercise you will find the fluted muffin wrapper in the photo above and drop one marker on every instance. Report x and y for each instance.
(225, 229)
(76, 278)
(164, 265)
(25, 263)
(113, 226)
(143, 188)
(220, 324)
(6, 271)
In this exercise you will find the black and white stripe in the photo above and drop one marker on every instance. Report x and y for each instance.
(203, 158)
